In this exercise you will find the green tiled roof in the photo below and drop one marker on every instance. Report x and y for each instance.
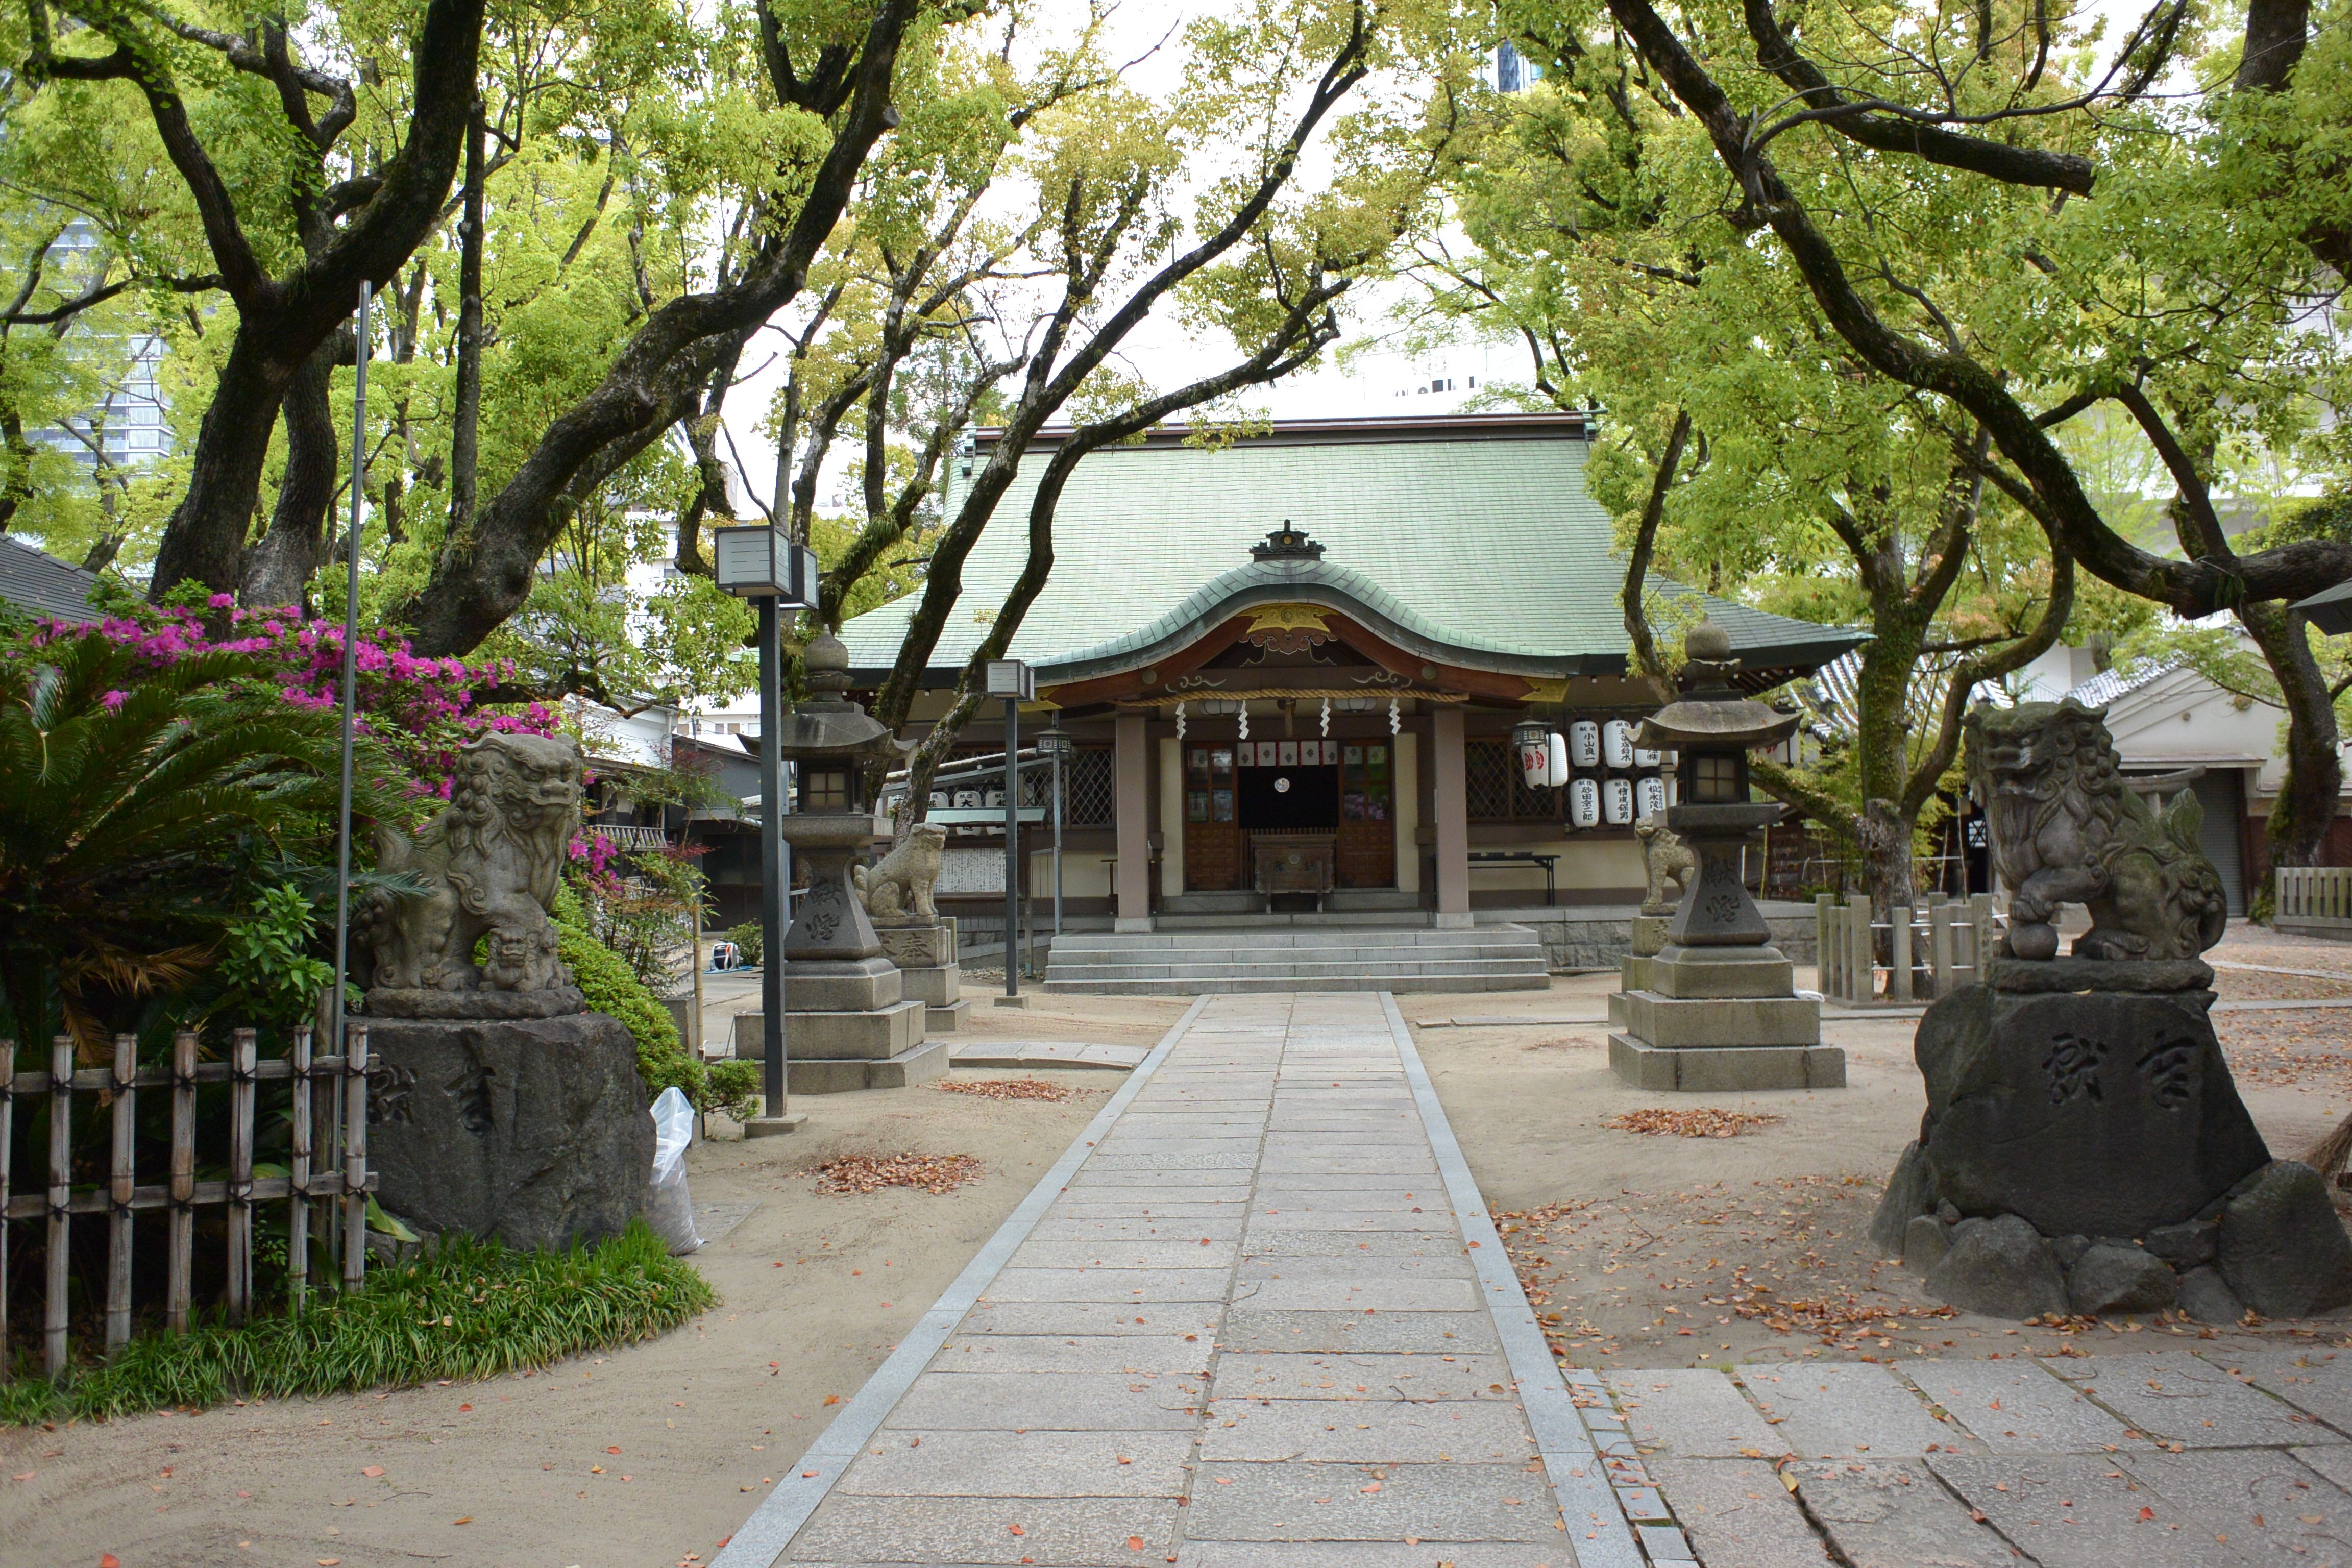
(1487, 550)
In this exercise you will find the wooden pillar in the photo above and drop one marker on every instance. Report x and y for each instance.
(1450, 806)
(1404, 802)
(1132, 761)
(1171, 817)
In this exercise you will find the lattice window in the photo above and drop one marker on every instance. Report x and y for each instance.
(1089, 794)
(1497, 791)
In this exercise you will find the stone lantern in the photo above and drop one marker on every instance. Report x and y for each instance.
(1716, 1008)
(849, 1024)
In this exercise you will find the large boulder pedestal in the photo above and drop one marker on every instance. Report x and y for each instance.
(2085, 1150)
(531, 1132)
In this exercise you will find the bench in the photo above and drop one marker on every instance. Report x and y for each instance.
(1522, 857)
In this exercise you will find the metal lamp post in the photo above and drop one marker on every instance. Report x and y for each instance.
(768, 565)
(335, 1030)
(1056, 743)
(1015, 682)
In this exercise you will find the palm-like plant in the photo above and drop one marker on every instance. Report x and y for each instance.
(136, 789)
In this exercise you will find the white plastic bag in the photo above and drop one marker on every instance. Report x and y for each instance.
(668, 1209)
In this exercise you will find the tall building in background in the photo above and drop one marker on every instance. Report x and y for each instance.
(127, 425)
(1514, 72)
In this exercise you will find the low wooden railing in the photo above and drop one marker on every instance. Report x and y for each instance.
(1932, 949)
(329, 1099)
(2315, 899)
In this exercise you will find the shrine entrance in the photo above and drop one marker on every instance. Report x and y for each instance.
(1278, 816)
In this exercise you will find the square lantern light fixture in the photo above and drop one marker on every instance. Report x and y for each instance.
(765, 564)
(1012, 677)
(1055, 742)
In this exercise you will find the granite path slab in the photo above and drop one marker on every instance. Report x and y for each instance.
(1257, 1315)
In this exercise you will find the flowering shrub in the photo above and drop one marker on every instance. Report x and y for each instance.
(421, 711)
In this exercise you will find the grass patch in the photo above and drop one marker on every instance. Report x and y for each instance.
(467, 1309)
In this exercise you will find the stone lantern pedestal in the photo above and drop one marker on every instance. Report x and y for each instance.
(1709, 1003)
(1718, 1008)
(848, 1023)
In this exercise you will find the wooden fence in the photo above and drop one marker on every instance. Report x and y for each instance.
(2315, 899)
(326, 1165)
(1931, 951)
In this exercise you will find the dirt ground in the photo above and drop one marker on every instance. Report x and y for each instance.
(1654, 1250)
(631, 1458)
(1650, 1250)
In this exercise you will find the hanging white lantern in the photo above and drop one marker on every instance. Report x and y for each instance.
(1534, 762)
(1649, 798)
(1617, 743)
(1645, 757)
(1324, 727)
(1617, 802)
(1532, 739)
(1180, 721)
(1555, 758)
(1584, 804)
(1584, 743)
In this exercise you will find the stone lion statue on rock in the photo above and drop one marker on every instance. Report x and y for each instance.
(1666, 858)
(492, 858)
(2065, 830)
(898, 889)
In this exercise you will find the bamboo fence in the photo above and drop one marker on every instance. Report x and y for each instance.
(2314, 900)
(1931, 951)
(326, 1168)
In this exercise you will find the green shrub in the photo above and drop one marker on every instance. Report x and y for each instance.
(747, 938)
(466, 1310)
(612, 988)
(735, 1088)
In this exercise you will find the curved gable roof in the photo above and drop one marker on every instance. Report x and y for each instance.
(1470, 541)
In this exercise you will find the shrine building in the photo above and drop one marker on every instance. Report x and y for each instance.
(1290, 667)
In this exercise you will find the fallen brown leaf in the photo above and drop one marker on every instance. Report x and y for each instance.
(1702, 1122)
(935, 1174)
(1009, 1089)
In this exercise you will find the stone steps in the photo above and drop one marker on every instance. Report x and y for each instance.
(1193, 962)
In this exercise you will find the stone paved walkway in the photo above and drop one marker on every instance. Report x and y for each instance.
(1257, 1318)
(2174, 1460)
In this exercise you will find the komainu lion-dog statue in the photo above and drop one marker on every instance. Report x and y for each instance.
(1664, 858)
(492, 858)
(2065, 830)
(898, 889)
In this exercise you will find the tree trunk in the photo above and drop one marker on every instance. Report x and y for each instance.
(282, 319)
(205, 539)
(277, 570)
(466, 403)
(1883, 835)
(652, 381)
(2308, 796)
(16, 454)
